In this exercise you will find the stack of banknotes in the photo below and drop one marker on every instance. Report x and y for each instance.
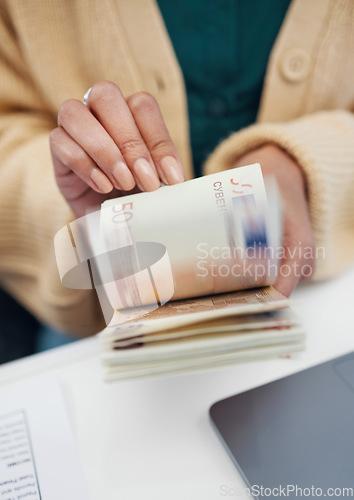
(184, 276)
(203, 333)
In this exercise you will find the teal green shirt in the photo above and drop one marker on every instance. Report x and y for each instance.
(223, 48)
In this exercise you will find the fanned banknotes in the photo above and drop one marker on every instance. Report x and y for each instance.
(203, 332)
(178, 272)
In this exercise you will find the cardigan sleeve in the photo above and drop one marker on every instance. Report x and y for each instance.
(32, 209)
(323, 146)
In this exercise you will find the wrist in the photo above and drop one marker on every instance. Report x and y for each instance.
(278, 162)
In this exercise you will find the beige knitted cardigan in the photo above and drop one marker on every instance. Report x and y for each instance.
(54, 50)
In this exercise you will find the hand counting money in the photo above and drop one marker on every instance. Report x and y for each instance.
(171, 268)
(220, 234)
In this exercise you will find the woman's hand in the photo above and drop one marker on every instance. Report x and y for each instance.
(298, 240)
(110, 146)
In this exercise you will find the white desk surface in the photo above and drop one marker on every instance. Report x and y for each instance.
(151, 438)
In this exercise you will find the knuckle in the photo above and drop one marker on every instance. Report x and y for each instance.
(130, 145)
(104, 90)
(290, 241)
(161, 146)
(54, 138)
(142, 101)
(72, 158)
(67, 110)
(103, 151)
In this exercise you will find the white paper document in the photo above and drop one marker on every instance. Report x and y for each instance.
(39, 459)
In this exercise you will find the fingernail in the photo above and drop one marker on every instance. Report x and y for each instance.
(146, 175)
(123, 176)
(162, 177)
(101, 181)
(172, 170)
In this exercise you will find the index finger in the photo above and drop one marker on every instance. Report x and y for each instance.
(150, 122)
(109, 107)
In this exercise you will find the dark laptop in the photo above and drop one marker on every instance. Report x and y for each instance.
(296, 432)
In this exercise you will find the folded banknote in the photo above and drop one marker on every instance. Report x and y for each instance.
(184, 275)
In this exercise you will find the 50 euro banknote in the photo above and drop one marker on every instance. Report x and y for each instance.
(206, 236)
